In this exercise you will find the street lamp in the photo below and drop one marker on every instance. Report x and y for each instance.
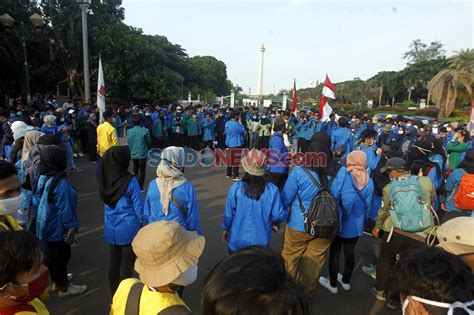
(84, 4)
(37, 21)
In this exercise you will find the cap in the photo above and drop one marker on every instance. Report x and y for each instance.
(456, 236)
(394, 163)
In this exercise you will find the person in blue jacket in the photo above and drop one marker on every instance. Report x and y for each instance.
(372, 153)
(353, 193)
(252, 205)
(277, 164)
(303, 254)
(208, 124)
(57, 217)
(234, 139)
(123, 212)
(342, 136)
(171, 197)
(452, 185)
(304, 131)
(330, 125)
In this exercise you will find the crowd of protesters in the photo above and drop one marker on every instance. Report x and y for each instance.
(409, 186)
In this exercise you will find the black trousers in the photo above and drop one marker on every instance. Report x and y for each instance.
(122, 260)
(279, 179)
(220, 140)
(139, 168)
(59, 254)
(177, 139)
(388, 255)
(194, 142)
(348, 246)
(263, 142)
(210, 144)
(233, 170)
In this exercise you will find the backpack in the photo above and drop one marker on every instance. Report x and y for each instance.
(464, 198)
(408, 212)
(340, 149)
(322, 218)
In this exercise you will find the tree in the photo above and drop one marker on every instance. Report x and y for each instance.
(420, 51)
(450, 86)
(208, 74)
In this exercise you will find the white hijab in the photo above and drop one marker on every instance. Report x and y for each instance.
(169, 174)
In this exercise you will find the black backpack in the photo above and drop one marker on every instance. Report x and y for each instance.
(322, 218)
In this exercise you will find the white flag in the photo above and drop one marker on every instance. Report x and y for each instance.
(101, 92)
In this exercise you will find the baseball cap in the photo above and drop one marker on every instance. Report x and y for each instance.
(394, 163)
(457, 236)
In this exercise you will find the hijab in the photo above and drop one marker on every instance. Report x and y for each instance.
(321, 144)
(418, 158)
(170, 174)
(113, 178)
(468, 162)
(49, 120)
(439, 149)
(31, 139)
(92, 119)
(53, 163)
(356, 164)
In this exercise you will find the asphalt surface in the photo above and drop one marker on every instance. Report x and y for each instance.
(89, 260)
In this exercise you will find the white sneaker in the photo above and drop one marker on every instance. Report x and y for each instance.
(81, 154)
(75, 155)
(345, 286)
(325, 283)
(72, 289)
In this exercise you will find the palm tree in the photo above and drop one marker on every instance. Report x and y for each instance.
(450, 86)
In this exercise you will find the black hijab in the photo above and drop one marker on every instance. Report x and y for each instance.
(468, 163)
(321, 143)
(53, 163)
(114, 176)
(439, 149)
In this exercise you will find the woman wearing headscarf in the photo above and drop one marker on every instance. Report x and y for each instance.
(170, 197)
(397, 138)
(123, 212)
(305, 255)
(264, 131)
(252, 205)
(452, 184)
(19, 130)
(57, 217)
(353, 192)
(91, 129)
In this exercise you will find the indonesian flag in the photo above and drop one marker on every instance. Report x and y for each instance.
(470, 126)
(294, 101)
(328, 92)
(101, 92)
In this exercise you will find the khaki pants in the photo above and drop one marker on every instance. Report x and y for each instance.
(304, 257)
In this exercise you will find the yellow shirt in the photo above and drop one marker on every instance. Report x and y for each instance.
(151, 302)
(39, 307)
(106, 138)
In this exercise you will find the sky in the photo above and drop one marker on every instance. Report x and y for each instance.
(304, 39)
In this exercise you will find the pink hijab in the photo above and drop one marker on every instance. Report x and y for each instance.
(356, 164)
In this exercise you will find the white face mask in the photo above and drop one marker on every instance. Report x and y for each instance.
(188, 277)
(450, 307)
(409, 125)
(400, 132)
(449, 129)
(11, 205)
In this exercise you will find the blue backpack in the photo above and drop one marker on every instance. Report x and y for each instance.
(408, 212)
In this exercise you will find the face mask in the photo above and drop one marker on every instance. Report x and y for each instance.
(409, 125)
(264, 116)
(272, 115)
(62, 119)
(11, 205)
(188, 277)
(147, 114)
(286, 120)
(450, 307)
(400, 132)
(255, 117)
(35, 288)
(449, 129)
(220, 115)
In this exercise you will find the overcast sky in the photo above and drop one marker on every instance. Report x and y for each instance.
(304, 38)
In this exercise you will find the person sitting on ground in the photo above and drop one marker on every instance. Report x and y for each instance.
(167, 260)
(456, 236)
(253, 281)
(253, 204)
(434, 282)
(23, 276)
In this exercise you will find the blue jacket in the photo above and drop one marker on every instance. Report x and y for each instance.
(329, 127)
(281, 152)
(249, 221)
(234, 134)
(208, 126)
(122, 223)
(299, 183)
(55, 219)
(452, 185)
(373, 159)
(186, 195)
(305, 129)
(354, 213)
(342, 136)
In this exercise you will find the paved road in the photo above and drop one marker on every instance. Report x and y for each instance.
(90, 258)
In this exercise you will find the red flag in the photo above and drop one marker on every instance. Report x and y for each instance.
(322, 102)
(329, 84)
(328, 92)
(294, 101)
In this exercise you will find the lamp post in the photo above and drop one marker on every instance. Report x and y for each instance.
(84, 4)
(37, 21)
